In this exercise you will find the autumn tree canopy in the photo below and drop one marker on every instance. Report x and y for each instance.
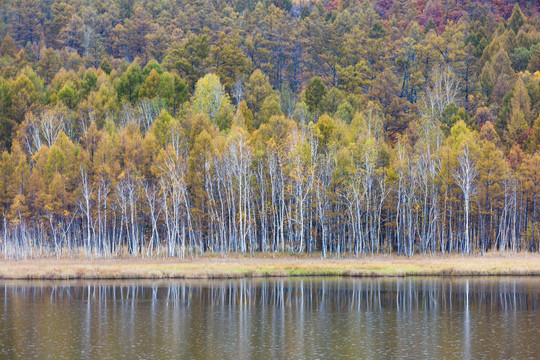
(353, 126)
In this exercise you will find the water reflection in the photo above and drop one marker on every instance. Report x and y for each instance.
(337, 294)
(274, 318)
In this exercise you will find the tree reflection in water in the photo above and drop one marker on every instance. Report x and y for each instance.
(271, 318)
(340, 294)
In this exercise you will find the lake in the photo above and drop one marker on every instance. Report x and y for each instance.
(293, 318)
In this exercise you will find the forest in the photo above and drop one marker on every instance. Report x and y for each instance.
(155, 128)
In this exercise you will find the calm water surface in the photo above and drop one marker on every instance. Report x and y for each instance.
(311, 318)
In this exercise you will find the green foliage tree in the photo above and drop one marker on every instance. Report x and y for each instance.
(270, 107)
(534, 140)
(173, 90)
(68, 95)
(48, 64)
(22, 97)
(151, 86)
(326, 128)
(209, 96)
(314, 94)
(258, 89)
(244, 117)
(129, 84)
(189, 59)
(227, 59)
(534, 62)
(520, 104)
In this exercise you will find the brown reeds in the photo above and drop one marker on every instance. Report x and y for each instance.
(235, 266)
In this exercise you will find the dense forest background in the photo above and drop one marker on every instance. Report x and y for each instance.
(178, 127)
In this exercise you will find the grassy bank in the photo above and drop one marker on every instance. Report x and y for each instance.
(262, 266)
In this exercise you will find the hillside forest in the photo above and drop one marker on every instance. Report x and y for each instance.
(343, 127)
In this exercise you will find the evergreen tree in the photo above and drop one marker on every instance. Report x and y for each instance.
(314, 94)
(129, 84)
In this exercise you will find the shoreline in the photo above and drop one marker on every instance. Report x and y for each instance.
(260, 265)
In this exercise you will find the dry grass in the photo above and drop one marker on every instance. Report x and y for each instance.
(209, 267)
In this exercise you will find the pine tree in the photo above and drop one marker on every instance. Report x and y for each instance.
(517, 19)
(8, 47)
(314, 94)
(534, 138)
(520, 104)
(129, 84)
(534, 62)
(150, 87)
(257, 90)
(189, 59)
